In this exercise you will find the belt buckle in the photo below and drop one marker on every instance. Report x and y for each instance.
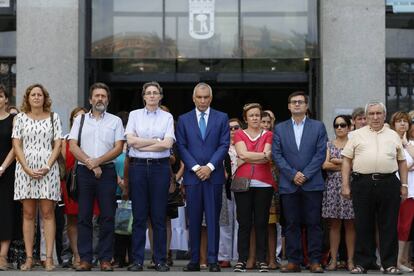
(375, 175)
(149, 161)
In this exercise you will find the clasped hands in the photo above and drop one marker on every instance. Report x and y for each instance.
(37, 173)
(93, 165)
(203, 172)
(299, 179)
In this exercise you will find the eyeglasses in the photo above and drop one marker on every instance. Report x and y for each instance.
(234, 127)
(148, 93)
(299, 102)
(342, 125)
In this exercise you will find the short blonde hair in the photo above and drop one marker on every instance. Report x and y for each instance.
(249, 106)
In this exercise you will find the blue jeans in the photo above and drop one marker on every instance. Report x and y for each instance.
(148, 189)
(104, 190)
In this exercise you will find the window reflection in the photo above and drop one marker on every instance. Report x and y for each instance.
(242, 29)
(7, 36)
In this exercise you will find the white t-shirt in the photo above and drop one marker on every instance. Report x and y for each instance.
(410, 178)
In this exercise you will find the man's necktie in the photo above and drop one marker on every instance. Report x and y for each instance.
(202, 125)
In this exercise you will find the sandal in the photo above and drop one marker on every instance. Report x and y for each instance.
(240, 267)
(342, 265)
(263, 267)
(49, 266)
(350, 265)
(405, 268)
(273, 266)
(358, 270)
(4, 265)
(392, 270)
(332, 266)
(28, 265)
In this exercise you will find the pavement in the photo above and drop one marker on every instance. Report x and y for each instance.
(176, 270)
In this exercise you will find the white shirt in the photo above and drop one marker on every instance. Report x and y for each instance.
(98, 136)
(206, 115)
(410, 178)
(150, 124)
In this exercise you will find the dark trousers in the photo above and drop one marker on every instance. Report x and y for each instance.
(60, 227)
(148, 187)
(204, 198)
(121, 248)
(253, 208)
(303, 208)
(104, 190)
(376, 200)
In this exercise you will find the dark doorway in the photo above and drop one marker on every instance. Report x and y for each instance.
(229, 98)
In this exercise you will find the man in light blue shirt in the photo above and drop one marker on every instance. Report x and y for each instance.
(101, 141)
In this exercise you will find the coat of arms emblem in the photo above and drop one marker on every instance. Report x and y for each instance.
(201, 18)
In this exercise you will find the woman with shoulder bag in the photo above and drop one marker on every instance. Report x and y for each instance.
(253, 147)
(37, 172)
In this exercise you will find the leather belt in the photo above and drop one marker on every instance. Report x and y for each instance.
(373, 176)
(148, 161)
(103, 166)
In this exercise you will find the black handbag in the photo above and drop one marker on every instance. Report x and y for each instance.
(176, 199)
(242, 184)
(71, 177)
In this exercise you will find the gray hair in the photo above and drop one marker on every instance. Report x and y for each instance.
(203, 85)
(369, 104)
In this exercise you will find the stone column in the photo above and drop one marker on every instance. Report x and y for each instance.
(50, 51)
(352, 41)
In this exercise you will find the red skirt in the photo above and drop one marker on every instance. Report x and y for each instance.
(405, 219)
(71, 206)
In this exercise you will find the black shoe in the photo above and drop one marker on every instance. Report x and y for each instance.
(66, 264)
(170, 262)
(191, 267)
(135, 267)
(162, 268)
(214, 267)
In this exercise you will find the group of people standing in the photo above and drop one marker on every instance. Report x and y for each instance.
(361, 188)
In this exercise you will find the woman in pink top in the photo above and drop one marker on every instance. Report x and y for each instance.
(253, 147)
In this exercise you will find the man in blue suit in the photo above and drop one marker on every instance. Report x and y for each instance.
(203, 140)
(299, 149)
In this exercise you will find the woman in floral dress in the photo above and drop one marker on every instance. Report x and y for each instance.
(335, 208)
(36, 143)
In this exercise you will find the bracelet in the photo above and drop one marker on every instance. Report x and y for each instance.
(265, 157)
(404, 185)
(1, 168)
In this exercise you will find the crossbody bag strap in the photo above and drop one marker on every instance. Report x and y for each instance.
(80, 134)
(80, 129)
(53, 129)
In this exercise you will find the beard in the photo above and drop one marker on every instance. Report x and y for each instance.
(100, 107)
